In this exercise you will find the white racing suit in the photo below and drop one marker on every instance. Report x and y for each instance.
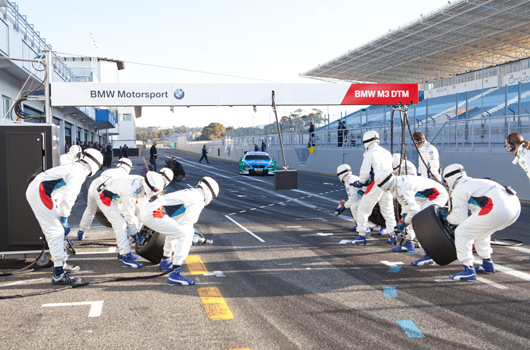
(492, 209)
(354, 198)
(91, 203)
(118, 203)
(51, 195)
(174, 215)
(416, 193)
(430, 156)
(379, 160)
(407, 168)
(523, 158)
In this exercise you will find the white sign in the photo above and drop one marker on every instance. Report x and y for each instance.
(115, 94)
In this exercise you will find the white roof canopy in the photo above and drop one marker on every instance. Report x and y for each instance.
(455, 39)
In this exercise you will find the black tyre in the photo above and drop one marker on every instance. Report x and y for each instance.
(153, 248)
(102, 219)
(377, 218)
(435, 235)
(44, 260)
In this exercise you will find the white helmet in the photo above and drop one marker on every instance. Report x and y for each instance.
(126, 164)
(452, 173)
(210, 187)
(343, 170)
(386, 181)
(396, 159)
(167, 174)
(93, 158)
(153, 183)
(370, 138)
(75, 153)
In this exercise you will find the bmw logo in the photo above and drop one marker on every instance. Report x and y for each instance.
(179, 94)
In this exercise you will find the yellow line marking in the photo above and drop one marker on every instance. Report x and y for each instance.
(214, 304)
(145, 161)
(522, 201)
(195, 265)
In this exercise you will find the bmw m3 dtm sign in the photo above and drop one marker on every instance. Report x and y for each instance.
(116, 94)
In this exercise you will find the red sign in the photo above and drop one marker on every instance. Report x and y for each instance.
(381, 94)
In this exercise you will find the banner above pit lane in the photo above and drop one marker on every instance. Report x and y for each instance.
(118, 94)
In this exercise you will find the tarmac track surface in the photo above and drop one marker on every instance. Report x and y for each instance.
(279, 276)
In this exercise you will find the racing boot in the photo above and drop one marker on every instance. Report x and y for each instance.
(134, 256)
(128, 261)
(424, 260)
(166, 264)
(392, 240)
(360, 240)
(382, 231)
(468, 274)
(176, 278)
(408, 246)
(80, 235)
(486, 267)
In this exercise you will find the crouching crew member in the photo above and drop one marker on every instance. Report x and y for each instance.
(414, 193)
(354, 197)
(118, 203)
(378, 160)
(174, 215)
(493, 207)
(123, 169)
(51, 196)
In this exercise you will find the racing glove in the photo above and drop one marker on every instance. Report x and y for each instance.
(139, 239)
(443, 214)
(399, 228)
(360, 192)
(357, 184)
(340, 210)
(66, 225)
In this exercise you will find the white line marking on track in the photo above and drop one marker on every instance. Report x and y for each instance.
(244, 228)
(95, 306)
(111, 250)
(293, 226)
(324, 234)
(391, 263)
(491, 283)
(521, 249)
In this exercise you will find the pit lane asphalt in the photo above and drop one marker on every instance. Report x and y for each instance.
(290, 284)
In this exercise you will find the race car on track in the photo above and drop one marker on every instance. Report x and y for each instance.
(257, 163)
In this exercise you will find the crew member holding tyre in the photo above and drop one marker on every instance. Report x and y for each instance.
(414, 193)
(123, 168)
(493, 207)
(51, 195)
(174, 215)
(118, 203)
(378, 160)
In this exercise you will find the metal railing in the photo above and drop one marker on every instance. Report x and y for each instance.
(481, 134)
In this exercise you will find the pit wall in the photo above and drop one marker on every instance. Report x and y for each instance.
(494, 165)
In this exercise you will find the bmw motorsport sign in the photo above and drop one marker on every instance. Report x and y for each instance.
(116, 94)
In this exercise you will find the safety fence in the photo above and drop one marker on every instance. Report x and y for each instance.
(481, 134)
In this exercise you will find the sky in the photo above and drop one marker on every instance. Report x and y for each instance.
(241, 41)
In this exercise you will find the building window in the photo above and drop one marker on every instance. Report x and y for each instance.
(6, 101)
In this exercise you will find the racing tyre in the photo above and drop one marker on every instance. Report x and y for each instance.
(377, 218)
(435, 235)
(102, 219)
(44, 260)
(153, 248)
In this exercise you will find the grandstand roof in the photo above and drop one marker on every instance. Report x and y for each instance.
(455, 39)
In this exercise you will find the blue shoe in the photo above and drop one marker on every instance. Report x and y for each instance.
(134, 256)
(408, 246)
(468, 274)
(64, 279)
(176, 278)
(392, 240)
(80, 235)
(424, 260)
(139, 239)
(166, 264)
(360, 240)
(486, 267)
(128, 261)
(382, 231)
(353, 229)
(367, 233)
